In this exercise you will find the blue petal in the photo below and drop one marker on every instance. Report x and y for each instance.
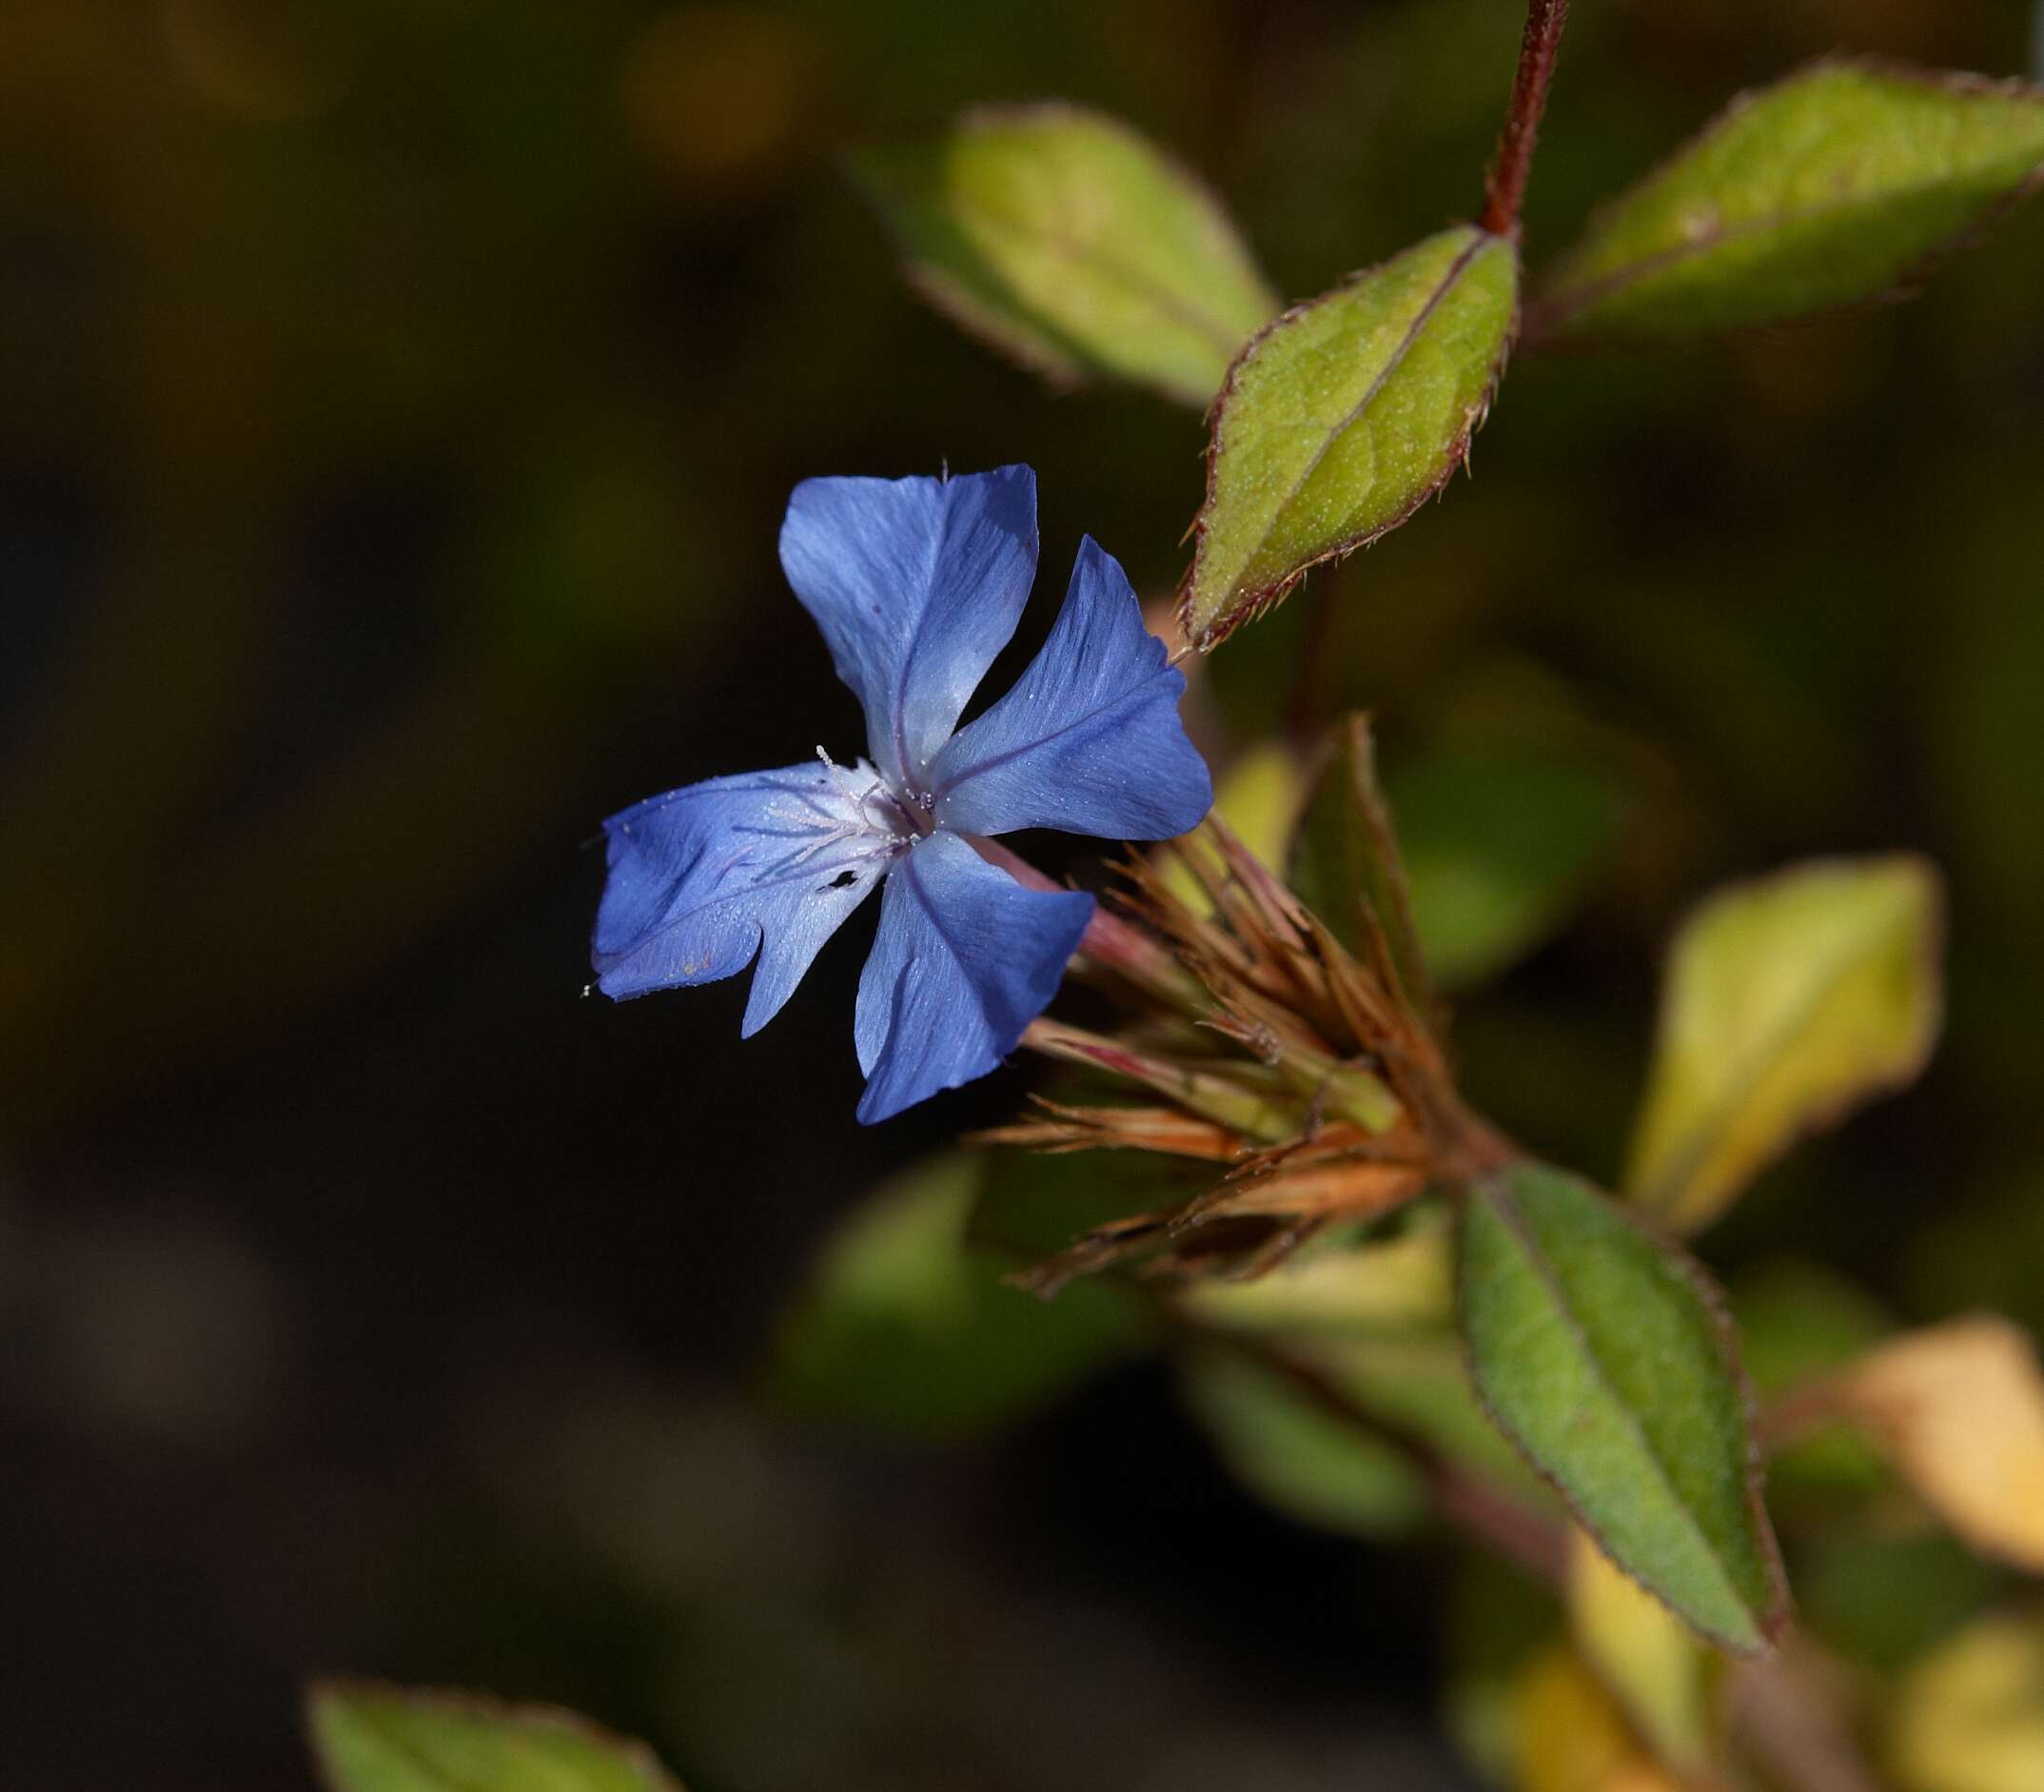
(702, 879)
(917, 583)
(965, 958)
(1089, 740)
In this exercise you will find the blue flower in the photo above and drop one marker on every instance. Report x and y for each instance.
(917, 583)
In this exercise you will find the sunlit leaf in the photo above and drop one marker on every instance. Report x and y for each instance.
(1345, 416)
(1345, 864)
(1788, 1001)
(1608, 1360)
(1960, 1408)
(1073, 244)
(906, 1325)
(1841, 182)
(383, 1739)
(1969, 1718)
(1497, 851)
(1297, 1457)
(1650, 1662)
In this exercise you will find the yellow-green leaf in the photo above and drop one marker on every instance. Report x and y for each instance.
(1343, 417)
(1841, 182)
(384, 1739)
(1788, 1001)
(1608, 1360)
(1073, 244)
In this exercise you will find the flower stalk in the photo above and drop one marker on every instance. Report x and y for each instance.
(1506, 188)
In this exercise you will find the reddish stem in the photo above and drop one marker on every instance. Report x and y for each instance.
(1507, 185)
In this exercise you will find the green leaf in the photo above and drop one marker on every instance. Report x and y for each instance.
(1788, 1001)
(908, 1326)
(1297, 1457)
(1498, 850)
(1344, 417)
(383, 1739)
(1345, 865)
(1843, 182)
(1329, 1470)
(1071, 243)
(1607, 1359)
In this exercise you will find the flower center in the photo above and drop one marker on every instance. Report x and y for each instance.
(878, 806)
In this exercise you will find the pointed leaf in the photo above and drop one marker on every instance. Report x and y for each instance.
(1607, 1359)
(908, 1326)
(1070, 242)
(1343, 417)
(1345, 867)
(383, 1739)
(1843, 182)
(1788, 1002)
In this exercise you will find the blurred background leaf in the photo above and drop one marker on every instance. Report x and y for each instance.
(382, 1739)
(1063, 237)
(1497, 851)
(1960, 1408)
(1304, 1462)
(1788, 1002)
(1971, 1717)
(904, 1324)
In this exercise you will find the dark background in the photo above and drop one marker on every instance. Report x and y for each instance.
(397, 403)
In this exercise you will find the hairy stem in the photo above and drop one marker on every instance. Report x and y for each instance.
(1507, 185)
